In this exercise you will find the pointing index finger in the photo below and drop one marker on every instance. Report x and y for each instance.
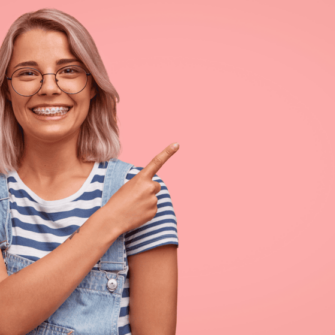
(157, 162)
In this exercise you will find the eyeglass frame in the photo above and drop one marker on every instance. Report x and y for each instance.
(42, 81)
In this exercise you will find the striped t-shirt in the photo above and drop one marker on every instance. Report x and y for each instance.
(40, 226)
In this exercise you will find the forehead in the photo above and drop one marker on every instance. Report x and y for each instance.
(43, 47)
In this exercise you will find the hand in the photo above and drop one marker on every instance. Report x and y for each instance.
(135, 203)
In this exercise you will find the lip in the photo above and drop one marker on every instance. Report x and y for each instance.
(52, 118)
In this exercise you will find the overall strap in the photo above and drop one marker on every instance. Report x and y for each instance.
(5, 221)
(113, 259)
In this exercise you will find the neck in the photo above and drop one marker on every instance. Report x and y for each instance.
(48, 162)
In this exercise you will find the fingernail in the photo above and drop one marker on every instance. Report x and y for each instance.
(175, 146)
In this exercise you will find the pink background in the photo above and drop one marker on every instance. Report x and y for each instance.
(247, 89)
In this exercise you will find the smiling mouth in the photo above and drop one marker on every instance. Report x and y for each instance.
(51, 111)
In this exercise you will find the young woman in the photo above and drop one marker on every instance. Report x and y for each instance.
(88, 241)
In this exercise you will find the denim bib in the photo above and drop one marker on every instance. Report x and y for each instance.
(94, 306)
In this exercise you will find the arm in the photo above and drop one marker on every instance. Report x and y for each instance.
(40, 288)
(153, 278)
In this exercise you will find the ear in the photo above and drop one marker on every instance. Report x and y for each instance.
(93, 92)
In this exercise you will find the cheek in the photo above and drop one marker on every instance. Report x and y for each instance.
(18, 109)
(82, 104)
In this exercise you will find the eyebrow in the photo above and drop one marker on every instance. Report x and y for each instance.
(59, 62)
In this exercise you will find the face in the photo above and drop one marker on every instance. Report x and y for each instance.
(48, 51)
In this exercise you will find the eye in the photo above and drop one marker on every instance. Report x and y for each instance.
(69, 70)
(27, 73)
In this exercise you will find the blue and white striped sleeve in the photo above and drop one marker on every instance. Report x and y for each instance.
(160, 230)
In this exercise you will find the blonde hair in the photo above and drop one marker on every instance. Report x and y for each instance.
(99, 136)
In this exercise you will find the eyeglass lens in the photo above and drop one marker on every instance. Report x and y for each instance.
(28, 81)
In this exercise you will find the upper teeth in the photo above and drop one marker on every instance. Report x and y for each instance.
(50, 110)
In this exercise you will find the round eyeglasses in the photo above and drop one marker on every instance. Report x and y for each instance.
(27, 81)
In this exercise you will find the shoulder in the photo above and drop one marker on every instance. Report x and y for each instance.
(130, 169)
(134, 170)
(161, 230)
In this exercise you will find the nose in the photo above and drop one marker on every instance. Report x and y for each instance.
(49, 85)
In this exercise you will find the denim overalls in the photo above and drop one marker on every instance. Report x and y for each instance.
(93, 308)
